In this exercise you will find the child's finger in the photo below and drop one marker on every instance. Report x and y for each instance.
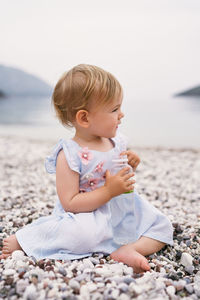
(124, 171)
(107, 174)
(130, 185)
(129, 175)
(134, 163)
(124, 153)
(130, 182)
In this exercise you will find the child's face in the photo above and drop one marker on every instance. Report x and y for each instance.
(104, 121)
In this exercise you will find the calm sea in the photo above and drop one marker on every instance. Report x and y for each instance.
(161, 121)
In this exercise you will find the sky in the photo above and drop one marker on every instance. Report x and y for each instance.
(146, 44)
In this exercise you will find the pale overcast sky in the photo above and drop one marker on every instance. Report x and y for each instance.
(148, 42)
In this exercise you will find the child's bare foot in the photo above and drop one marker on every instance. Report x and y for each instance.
(132, 258)
(10, 244)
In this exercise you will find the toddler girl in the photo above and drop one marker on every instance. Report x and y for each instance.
(95, 210)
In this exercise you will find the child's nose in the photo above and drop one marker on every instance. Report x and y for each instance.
(121, 115)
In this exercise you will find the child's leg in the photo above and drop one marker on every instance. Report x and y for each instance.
(133, 254)
(10, 244)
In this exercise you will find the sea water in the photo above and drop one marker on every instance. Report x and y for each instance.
(164, 121)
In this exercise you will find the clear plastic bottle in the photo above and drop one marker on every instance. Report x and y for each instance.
(120, 163)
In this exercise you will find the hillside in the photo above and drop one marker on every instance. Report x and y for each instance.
(15, 82)
(194, 92)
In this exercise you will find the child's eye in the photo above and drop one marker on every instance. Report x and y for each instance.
(115, 109)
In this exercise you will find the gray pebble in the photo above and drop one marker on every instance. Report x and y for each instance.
(189, 269)
(74, 284)
(189, 288)
(62, 271)
(123, 287)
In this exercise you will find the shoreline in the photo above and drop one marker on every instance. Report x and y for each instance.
(166, 177)
(54, 140)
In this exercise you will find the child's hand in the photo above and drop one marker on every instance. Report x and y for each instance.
(119, 183)
(133, 158)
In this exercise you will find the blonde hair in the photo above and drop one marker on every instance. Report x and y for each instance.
(79, 86)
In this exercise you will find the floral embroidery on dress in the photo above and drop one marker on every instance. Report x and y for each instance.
(91, 183)
(87, 176)
(99, 167)
(85, 155)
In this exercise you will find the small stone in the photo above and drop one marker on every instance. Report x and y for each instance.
(179, 287)
(74, 284)
(94, 260)
(30, 292)
(21, 274)
(173, 276)
(137, 289)
(115, 294)
(128, 280)
(187, 280)
(186, 237)
(171, 290)
(197, 291)
(186, 259)
(101, 261)
(123, 287)
(41, 263)
(178, 229)
(179, 238)
(49, 268)
(52, 293)
(96, 296)
(34, 279)
(196, 262)
(180, 274)
(91, 287)
(9, 272)
(124, 297)
(188, 243)
(62, 271)
(189, 270)
(189, 288)
(84, 293)
(21, 286)
(8, 280)
(178, 254)
(18, 255)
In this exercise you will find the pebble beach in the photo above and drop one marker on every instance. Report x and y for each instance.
(168, 178)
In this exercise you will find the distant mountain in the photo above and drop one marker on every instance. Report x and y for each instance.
(15, 82)
(194, 92)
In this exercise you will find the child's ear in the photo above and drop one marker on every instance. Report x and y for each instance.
(82, 118)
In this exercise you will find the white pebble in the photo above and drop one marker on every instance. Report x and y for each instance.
(21, 285)
(84, 293)
(91, 287)
(135, 288)
(74, 284)
(171, 290)
(18, 255)
(186, 259)
(9, 272)
(115, 294)
(123, 297)
(30, 292)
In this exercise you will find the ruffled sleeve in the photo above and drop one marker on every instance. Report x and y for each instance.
(70, 155)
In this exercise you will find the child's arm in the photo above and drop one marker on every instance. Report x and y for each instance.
(133, 158)
(67, 184)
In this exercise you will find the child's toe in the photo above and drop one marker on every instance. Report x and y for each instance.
(145, 266)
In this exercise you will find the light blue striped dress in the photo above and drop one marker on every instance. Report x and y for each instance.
(124, 219)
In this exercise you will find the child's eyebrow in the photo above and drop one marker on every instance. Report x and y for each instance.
(117, 105)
